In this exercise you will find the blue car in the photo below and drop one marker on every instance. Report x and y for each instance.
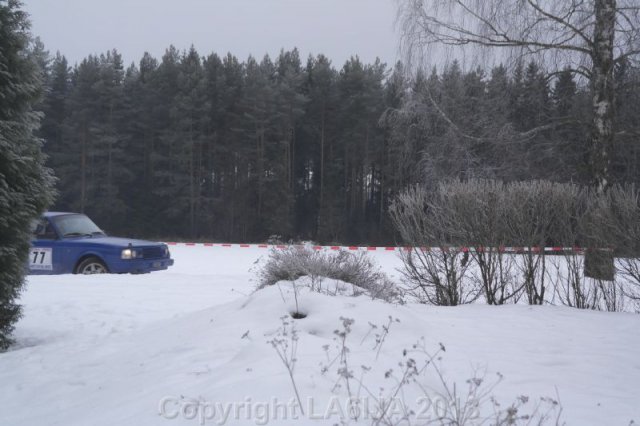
(66, 243)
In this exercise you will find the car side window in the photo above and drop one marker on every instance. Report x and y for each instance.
(42, 230)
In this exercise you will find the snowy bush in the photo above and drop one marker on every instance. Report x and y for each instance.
(485, 215)
(453, 216)
(540, 213)
(611, 224)
(431, 276)
(438, 276)
(357, 269)
(481, 209)
(629, 269)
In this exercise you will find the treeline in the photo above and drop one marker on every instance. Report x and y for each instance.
(214, 148)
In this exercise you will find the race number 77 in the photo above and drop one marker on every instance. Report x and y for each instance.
(40, 258)
(42, 254)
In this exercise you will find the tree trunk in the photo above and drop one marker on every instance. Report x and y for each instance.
(83, 171)
(110, 136)
(603, 92)
(260, 141)
(192, 195)
(322, 160)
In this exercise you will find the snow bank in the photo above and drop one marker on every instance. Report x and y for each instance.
(178, 346)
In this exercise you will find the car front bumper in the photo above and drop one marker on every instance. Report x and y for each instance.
(139, 266)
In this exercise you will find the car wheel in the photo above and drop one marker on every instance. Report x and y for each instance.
(91, 265)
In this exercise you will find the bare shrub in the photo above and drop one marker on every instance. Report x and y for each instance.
(611, 227)
(419, 373)
(482, 209)
(486, 215)
(453, 216)
(539, 212)
(613, 220)
(434, 276)
(358, 269)
(566, 272)
(625, 214)
(496, 276)
(285, 343)
(607, 225)
(438, 276)
(571, 287)
(629, 269)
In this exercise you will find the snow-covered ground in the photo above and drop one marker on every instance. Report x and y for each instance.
(189, 346)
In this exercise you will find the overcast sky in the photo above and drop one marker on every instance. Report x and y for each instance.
(337, 28)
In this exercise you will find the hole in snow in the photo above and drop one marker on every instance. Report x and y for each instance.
(298, 315)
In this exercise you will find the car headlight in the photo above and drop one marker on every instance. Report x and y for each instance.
(128, 254)
(166, 251)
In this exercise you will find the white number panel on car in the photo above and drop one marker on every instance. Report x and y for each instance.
(40, 258)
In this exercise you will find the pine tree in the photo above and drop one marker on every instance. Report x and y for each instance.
(391, 153)
(361, 98)
(109, 173)
(54, 107)
(164, 89)
(536, 97)
(517, 104)
(288, 185)
(626, 162)
(138, 127)
(25, 184)
(210, 184)
(226, 139)
(188, 115)
(569, 138)
(76, 160)
(448, 152)
(255, 153)
(318, 133)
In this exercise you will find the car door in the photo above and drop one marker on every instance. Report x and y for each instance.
(45, 253)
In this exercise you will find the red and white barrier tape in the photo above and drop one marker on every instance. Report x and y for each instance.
(393, 248)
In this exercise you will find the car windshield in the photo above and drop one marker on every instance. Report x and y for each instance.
(73, 225)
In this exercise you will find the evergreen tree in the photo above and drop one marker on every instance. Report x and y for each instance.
(318, 133)
(109, 172)
(569, 136)
(286, 156)
(139, 130)
(498, 91)
(448, 152)
(361, 98)
(25, 184)
(258, 157)
(225, 138)
(517, 104)
(501, 155)
(626, 161)
(210, 184)
(76, 160)
(392, 157)
(54, 107)
(188, 117)
(164, 89)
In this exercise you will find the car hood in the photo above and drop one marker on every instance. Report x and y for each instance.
(123, 242)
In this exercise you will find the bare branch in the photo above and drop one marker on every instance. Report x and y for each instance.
(560, 20)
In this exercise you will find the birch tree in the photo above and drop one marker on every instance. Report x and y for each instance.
(588, 37)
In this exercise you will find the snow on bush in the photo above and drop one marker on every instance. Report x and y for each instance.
(357, 269)
(485, 215)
